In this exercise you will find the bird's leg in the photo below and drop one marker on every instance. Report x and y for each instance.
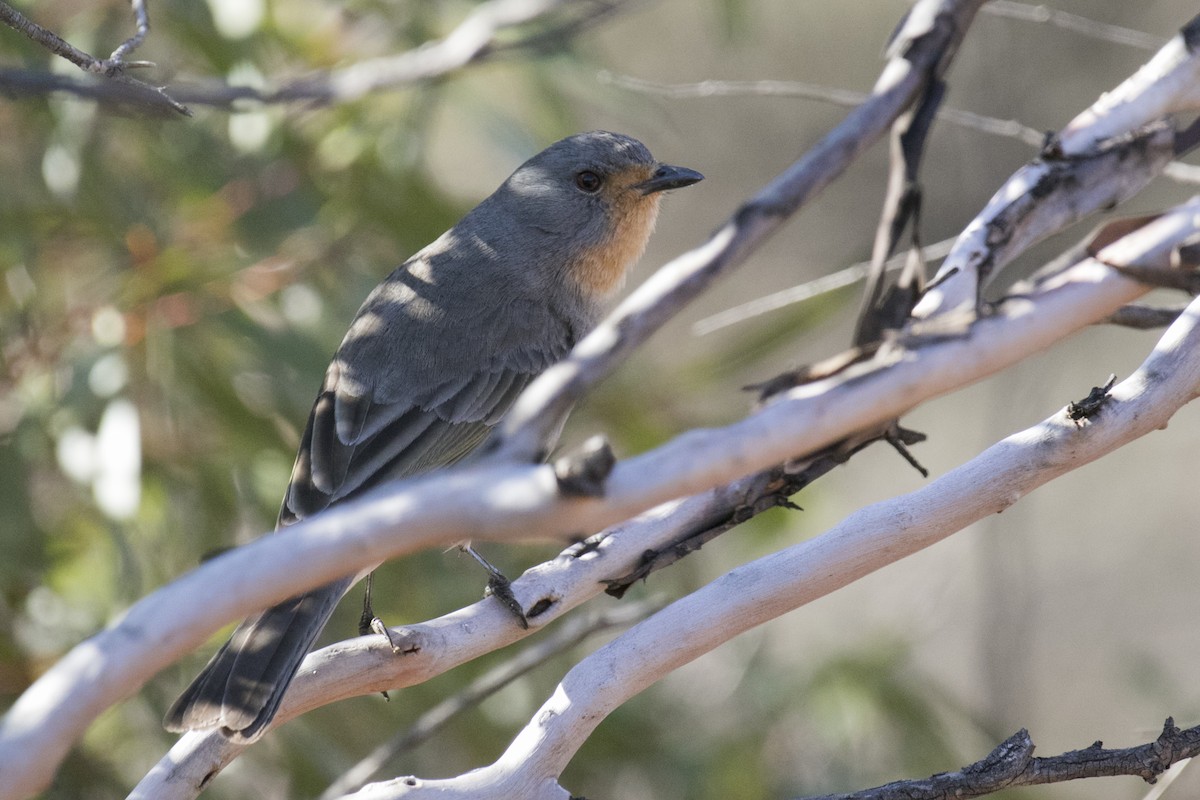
(498, 586)
(369, 623)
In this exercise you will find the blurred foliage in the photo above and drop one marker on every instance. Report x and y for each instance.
(171, 292)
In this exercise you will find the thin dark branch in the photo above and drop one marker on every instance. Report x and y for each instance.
(473, 41)
(1188, 138)
(122, 93)
(50, 40)
(886, 305)
(120, 89)
(749, 497)
(47, 39)
(1013, 764)
(1143, 318)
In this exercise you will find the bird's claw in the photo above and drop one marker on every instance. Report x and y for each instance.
(369, 623)
(375, 625)
(500, 588)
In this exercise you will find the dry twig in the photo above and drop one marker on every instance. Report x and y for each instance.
(474, 40)
(1012, 764)
(120, 88)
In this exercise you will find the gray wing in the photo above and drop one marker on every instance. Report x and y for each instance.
(430, 364)
(390, 440)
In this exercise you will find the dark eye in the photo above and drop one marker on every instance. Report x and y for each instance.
(588, 181)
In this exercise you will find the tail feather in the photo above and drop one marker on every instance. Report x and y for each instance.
(241, 687)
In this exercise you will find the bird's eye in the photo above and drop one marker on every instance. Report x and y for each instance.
(588, 181)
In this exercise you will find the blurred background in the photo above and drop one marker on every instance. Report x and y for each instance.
(173, 289)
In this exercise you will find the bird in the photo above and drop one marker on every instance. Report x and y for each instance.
(433, 359)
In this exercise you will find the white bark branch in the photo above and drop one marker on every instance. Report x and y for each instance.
(800, 421)
(865, 541)
(367, 665)
(511, 502)
(1168, 83)
(569, 634)
(43, 722)
(507, 501)
(1104, 156)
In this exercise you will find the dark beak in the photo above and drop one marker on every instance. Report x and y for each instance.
(668, 177)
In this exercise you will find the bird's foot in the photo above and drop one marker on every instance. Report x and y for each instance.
(499, 587)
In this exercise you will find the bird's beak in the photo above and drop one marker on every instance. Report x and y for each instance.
(668, 177)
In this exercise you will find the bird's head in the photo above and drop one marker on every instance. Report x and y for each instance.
(594, 199)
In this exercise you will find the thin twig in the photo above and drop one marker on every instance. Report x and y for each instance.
(811, 91)
(122, 93)
(1006, 128)
(46, 38)
(807, 291)
(1076, 23)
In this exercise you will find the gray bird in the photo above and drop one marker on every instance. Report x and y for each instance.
(433, 360)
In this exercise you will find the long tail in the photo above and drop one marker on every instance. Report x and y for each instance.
(240, 689)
